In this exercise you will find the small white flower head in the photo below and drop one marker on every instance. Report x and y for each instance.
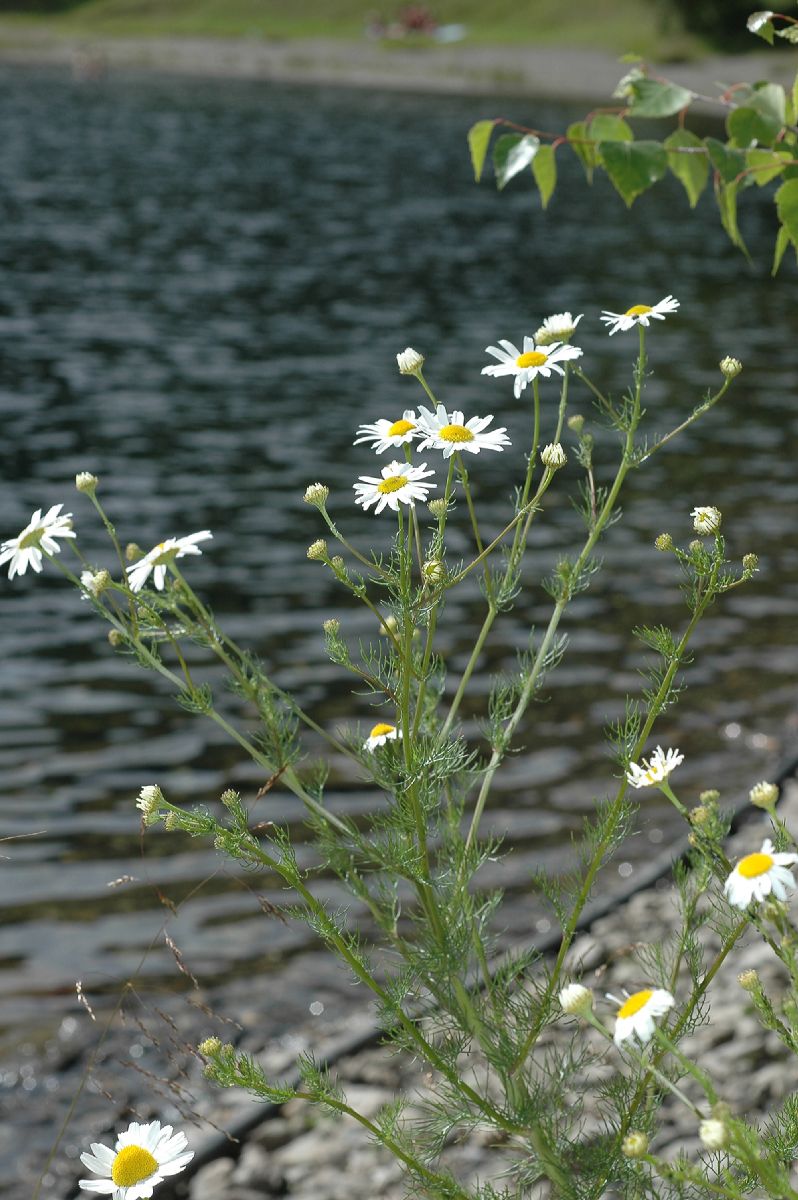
(651, 771)
(210, 1047)
(318, 551)
(758, 19)
(433, 571)
(764, 795)
(714, 1134)
(451, 433)
(639, 314)
(559, 327)
(95, 583)
(410, 361)
(400, 484)
(634, 1145)
(730, 367)
(663, 542)
(535, 359)
(380, 734)
(86, 482)
(143, 1157)
(576, 999)
(760, 875)
(635, 1017)
(156, 561)
(706, 520)
(750, 563)
(316, 494)
(149, 803)
(332, 626)
(384, 434)
(553, 456)
(40, 534)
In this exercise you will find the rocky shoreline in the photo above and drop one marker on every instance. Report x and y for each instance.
(544, 72)
(292, 1151)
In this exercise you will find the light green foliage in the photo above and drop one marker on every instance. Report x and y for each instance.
(761, 147)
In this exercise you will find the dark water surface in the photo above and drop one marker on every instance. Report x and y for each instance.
(202, 290)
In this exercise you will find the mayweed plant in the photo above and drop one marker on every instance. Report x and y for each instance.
(508, 1041)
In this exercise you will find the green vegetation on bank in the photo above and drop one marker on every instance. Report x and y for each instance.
(648, 27)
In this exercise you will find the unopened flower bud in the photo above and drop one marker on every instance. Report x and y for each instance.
(230, 798)
(389, 625)
(133, 551)
(713, 1134)
(95, 583)
(748, 980)
(316, 494)
(574, 998)
(553, 456)
(337, 564)
(695, 547)
(210, 1046)
(149, 803)
(750, 563)
(317, 551)
(706, 520)
(86, 482)
(410, 361)
(171, 822)
(664, 542)
(692, 839)
(115, 638)
(634, 1145)
(710, 796)
(437, 507)
(699, 815)
(576, 423)
(332, 626)
(763, 795)
(729, 367)
(433, 571)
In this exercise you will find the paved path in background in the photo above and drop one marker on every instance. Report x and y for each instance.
(546, 72)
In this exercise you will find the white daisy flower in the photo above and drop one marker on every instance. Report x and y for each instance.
(639, 314)
(410, 361)
(635, 1017)
(451, 433)
(157, 560)
(143, 1157)
(380, 734)
(385, 434)
(651, 771)
(759, 875)
(536, 359)
(559, 327)
(400, 484)
(25, 550)
(706, 520)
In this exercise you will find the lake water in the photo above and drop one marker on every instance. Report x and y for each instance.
(203, 286)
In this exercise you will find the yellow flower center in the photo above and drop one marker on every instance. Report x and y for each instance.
(392, 484)
(638, 310)
(532, 358)
(31, 539)
(754, 864)
(379, 730)
(400, 427)
(635, 1003)
(455, 433)
(131, 1165)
